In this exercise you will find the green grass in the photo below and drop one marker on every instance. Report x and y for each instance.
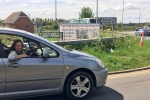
(111, 34)
(127, 53)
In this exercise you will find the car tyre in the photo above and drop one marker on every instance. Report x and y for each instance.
(79, 86)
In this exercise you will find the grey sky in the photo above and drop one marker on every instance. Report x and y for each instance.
(68, 9)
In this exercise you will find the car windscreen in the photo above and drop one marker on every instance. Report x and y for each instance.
(93, 20)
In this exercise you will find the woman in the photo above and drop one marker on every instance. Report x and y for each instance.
(16, 50)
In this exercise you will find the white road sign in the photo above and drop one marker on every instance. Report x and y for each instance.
(108, 20)
(74, 31)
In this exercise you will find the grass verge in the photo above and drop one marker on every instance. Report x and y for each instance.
(127, 54)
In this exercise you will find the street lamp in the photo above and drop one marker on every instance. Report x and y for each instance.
(97, 11)
(55, 9)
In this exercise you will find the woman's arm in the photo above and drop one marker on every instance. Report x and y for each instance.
(13, 56)
(20, 56)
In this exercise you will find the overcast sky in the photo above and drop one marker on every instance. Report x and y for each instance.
(68, 9)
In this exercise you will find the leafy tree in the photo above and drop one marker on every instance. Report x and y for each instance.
(44, 23)
(147, 24)
(33, 20)
(86, 12)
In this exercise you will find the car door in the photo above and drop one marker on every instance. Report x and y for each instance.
(34, 73)
(2, 70)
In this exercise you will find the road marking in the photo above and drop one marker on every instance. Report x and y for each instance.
(129, 74)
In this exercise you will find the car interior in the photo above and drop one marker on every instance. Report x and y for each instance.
(36, 53)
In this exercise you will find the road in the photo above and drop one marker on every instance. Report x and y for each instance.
(129, 86)
(133, 34)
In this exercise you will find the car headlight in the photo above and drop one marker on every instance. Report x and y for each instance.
(100, 63)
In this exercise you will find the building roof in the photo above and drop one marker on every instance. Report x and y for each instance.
(14, 16)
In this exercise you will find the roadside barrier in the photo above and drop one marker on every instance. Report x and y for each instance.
(142, 39)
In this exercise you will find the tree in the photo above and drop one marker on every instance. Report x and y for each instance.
(33, 20)
(86, 12)
(1, 22)
(147, 24)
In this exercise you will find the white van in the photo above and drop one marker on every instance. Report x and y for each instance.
(83, 20)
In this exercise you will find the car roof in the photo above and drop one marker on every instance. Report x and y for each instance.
(27, 34)
(14, 30)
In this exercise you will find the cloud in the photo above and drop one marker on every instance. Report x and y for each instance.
(148, 9)
(133, 17)
(130, 6)
(25, 5)
(71, 3)
(118, 8)
(105, 10)
(35, 1)
(5, 0)
(46, 6)
(75, 11)
(34, 6)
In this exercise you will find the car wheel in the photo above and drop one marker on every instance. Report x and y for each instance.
(79, 86)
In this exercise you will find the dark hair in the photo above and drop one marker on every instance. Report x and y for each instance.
(14, 44)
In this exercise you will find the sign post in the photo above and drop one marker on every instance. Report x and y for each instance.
(38, 27)
(52, 35)
(108, 21)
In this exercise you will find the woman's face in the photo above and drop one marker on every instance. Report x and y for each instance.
(18, 46)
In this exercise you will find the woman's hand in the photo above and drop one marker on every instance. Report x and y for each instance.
(35, 47)
(24, 55)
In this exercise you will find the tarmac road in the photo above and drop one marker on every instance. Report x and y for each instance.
(128, 86)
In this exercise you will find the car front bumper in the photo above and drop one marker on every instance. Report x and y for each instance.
(101, 77)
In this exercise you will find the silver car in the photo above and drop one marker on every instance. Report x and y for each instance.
(50, 69)
(140, 30)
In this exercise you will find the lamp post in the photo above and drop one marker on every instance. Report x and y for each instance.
(55, 9)
(97, 11)
(140, 17)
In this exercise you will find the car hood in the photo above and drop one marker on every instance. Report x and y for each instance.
(76, 53)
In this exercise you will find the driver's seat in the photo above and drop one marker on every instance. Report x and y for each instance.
(3, 55)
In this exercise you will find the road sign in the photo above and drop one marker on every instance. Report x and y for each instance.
(108, 20)
(52, 34)
(37, 24)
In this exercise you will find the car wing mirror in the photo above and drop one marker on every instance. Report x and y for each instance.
(45, 54)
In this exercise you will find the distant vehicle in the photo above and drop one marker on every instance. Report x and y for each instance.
(139, 32)
(137, 29)
(83, 20)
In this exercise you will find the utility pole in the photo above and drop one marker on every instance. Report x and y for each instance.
(122, 12)
(140, 17)
(97, 11)
(55, 9)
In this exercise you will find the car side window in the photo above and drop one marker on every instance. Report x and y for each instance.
(7, 41)
(50, 51)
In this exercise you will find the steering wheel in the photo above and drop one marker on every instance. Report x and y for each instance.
(32, 52)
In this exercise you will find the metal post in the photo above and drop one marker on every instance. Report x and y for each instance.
(55, 9)
(79, 17)
(97, 11)
(112, 29)
(140, 17)
(122, 12)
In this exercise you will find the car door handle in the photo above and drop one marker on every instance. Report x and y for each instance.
(14, 65)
